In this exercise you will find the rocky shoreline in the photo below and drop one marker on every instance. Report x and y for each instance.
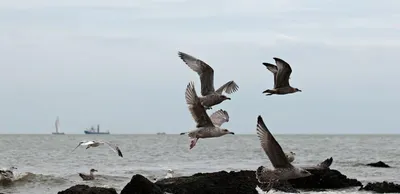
(241, 182)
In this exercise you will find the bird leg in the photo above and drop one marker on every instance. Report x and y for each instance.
(269, 92)
(88, 147)
(193, 142)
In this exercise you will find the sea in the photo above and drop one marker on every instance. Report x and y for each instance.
(46, 163)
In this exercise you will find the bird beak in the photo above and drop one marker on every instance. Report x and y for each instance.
(232, 133)
(228, 98)
(299, 90)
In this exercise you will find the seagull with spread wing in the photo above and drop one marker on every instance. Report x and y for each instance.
(210, 96)
(284, 170)
(89, 144)
(281, 72)
(206, 127)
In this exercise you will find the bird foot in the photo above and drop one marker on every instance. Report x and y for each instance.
(193, 143)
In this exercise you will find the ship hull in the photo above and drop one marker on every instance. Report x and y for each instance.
(99, 133)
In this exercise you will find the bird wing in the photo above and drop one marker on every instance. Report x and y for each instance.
(197, 110)
(228, 87)
(219, 117)
(205, 72)
(271, 146)
(82, 143)
(284, 71)
(114, 148)
(273, 69)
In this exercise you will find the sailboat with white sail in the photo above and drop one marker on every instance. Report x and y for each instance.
(57, 124)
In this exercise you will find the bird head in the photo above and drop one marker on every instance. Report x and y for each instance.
(226, 131)
(93, 170)
(225, 97)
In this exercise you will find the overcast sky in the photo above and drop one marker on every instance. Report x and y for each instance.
(115, 63)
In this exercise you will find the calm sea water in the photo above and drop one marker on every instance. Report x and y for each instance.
(51, 166)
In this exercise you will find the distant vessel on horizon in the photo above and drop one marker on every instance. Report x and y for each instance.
(92, 130)
(57, 124)
(161, 133)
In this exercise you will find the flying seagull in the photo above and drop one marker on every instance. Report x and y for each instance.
(87, 177)
(206, 127)
(210, 96)
(281, 73)
(97, 143)
(284, 170)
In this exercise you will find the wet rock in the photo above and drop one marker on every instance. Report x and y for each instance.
(141, 185)
(217, 182)
(84, 189)
(382, 187)
(379, 164)
(243, 181)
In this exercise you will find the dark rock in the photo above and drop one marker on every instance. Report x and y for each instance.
(240, 182)
(141, 185)
(382, 187)
(245, 182)
(84, 189)
(212, 183)
(379, 164)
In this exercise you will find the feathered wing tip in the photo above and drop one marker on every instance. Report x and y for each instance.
(183, 133)
(261, 174)
(81, 175)
(190, 93)
(119, 153)
(327, 163)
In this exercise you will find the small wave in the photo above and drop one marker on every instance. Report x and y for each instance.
(28, 177)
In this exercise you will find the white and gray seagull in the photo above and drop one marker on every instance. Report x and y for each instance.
(89, 144)
(87, 177)
(284, 170)
(206, 127)
(210, 96)
(281, 73)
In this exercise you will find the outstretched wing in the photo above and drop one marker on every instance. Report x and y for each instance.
(205, 72)
(271, 146)
(83, 143)
(273, 69)
(197, 110)
(284, 71)
(228, 87)
(219, 117)
(114, 148)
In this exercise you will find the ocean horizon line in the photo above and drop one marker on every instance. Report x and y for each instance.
(333, 134)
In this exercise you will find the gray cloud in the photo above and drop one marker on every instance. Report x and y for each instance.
(115, 63)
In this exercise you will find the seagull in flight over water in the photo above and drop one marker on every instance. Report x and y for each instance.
(206, 127)
(281, 71)
(283, 169)
(89, 144)
(210, 97)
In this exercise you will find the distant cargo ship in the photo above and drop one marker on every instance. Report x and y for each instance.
(92, 130)
(57, 124)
